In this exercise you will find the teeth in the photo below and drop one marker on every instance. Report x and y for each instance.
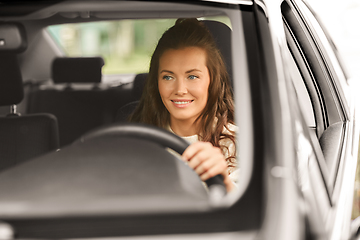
(178, 102)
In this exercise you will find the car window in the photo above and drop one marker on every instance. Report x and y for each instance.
(300, 66)
(320, 81)
(125, 45)
(81, 110)
(330, 57)
(302, 94)
(336, 78)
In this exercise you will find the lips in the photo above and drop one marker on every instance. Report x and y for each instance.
(181, 103)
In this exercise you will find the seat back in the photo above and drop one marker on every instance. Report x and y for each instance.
(21, 137)
(222, 36)
(126, 110)
(138, 85)
(81, 106)
(77, 111)
(26, 137)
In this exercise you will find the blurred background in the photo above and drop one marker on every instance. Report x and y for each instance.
(342, 19)
(125, 45)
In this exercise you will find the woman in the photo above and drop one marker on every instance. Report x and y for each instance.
(188, 93)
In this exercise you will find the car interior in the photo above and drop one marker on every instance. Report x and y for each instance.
(67, 150)
(78, 100)
(28, 135)
(68, 97)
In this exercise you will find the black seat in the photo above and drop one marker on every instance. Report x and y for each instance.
(83, 105)
(138, 85)
(77, 70)
(21, 137)
(125, 111)
(222, 36)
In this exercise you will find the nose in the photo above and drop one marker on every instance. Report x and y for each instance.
(181, 87)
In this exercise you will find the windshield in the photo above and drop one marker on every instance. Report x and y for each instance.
(125, 45)
(87, 69)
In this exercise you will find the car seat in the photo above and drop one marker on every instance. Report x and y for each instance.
(222, 36)
(77, 70)
(138, 85)
(83, 104)
(21, 137)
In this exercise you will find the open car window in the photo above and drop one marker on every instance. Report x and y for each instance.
(125, 41)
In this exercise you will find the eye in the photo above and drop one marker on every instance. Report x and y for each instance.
(167, 77)
(192, 77)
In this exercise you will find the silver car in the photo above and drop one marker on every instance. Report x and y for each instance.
(71, 166)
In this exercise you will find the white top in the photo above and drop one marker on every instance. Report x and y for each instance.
(228, 148)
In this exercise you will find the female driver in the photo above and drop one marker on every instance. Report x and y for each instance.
(188, 93)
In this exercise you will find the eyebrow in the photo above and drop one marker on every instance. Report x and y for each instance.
(188, 71)
(193, 70)
(166, 71)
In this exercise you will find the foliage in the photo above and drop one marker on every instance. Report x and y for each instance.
(126, 45)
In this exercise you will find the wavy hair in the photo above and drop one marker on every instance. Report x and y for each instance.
(220, 106)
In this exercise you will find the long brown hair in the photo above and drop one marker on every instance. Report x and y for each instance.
(220, 106)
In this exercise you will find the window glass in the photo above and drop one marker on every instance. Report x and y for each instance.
(327, 47)
(302, 94)
(341, 21)
(125, 45)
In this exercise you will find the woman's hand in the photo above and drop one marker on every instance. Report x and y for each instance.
(207, 161)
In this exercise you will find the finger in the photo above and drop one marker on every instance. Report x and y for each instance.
(219, 168)
(200, 157)
(193, 149)
(206, 165)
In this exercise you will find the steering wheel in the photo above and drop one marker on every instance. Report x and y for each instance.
(154, 134)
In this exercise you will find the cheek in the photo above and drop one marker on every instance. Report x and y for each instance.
(202, 91)
(164, 89)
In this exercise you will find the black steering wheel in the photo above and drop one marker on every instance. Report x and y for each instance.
(154, 134)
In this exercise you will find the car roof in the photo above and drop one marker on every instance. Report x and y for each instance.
(20, 10)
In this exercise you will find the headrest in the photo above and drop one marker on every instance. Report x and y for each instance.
(77, 70)
(139, 83)
(222, 36)
(11, 88)
(12, 38)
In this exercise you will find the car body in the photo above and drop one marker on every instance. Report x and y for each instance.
(297, 139)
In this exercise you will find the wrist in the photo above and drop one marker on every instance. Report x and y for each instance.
(228, 183)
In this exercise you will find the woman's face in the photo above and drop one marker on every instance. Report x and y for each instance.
(184, 82)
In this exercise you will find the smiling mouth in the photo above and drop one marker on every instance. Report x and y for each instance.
(182, 104)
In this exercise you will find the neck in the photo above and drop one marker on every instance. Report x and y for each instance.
(183, 128)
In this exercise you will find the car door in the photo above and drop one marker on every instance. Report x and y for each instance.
(323, 95)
